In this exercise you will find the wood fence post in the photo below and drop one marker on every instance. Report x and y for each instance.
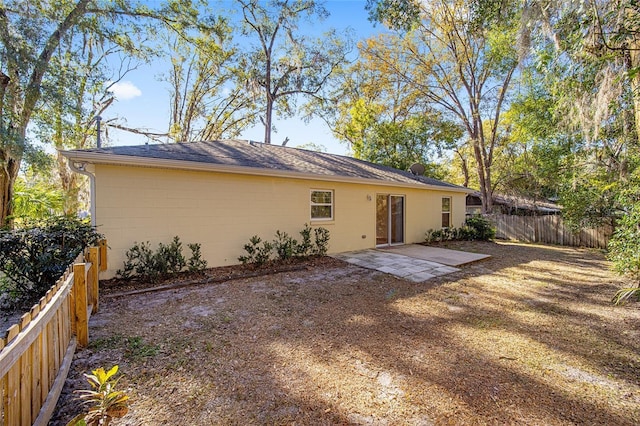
(26, 361)
(93, 278)
(3, 387)
(103, 254)
(12, 386)
(80, 301)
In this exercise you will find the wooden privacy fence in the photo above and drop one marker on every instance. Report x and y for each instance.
(548, 229)
(35, 355)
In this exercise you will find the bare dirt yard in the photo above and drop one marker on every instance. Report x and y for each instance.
(526, 337)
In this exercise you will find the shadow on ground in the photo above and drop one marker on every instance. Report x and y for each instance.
(527, 337)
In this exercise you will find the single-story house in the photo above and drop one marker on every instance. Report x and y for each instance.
(221, 193)
(512, 205)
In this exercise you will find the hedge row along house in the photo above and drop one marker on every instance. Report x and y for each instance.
(221, 193)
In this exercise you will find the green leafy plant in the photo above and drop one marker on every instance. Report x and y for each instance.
(36, 200)
(435, 235)
(138, 349)
(321, 241)
(305, 246)
(256, 253)
(624, 246)
(170, 256)
(284, 246)
(475, 228)
(626, 294)
(145, 264)
(139, 258)
(34, 257)
(466, 233)
(105, 403)
(314, 242)
(482, 228)
(196, 263)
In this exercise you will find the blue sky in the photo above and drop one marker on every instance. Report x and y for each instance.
(143, 100)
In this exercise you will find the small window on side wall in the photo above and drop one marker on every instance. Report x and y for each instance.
(321, 204)
(446, 212)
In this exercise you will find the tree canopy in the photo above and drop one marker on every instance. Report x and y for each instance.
(50, 60)
(538, 98)
(459, 63)
(280, 63)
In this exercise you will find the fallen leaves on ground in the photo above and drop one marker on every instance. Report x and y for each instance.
(526, 337)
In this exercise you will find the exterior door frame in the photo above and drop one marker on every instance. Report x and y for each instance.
(389, 225)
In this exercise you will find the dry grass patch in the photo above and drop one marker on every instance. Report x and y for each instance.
(527, 337)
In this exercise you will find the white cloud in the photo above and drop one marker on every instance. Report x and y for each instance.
(125, 90)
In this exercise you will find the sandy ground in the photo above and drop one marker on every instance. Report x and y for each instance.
(526, 337)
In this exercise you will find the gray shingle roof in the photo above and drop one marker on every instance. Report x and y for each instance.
(264, 156)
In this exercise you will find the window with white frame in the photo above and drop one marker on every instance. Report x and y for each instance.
(446, 212)
(321, 204)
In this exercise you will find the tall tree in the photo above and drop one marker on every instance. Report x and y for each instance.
(584, 54)
(600, 42)
(384, 119)
(74, 92)
(460, 63)
(30, 34)
(206, 104)
(37, 197)
(282, 64)
(598, 37)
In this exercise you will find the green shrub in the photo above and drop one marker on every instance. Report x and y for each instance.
(432, 236)
(285, 246)
(256, 253)
(624, 246)
(466, 233)
(474, 228)
(437, 235)
(34, 257)
(145, 264)
(196, 263)
(322, 241)
(484, 229)
(170, 257)
(314, 242)
(140, 259)
(305, 245)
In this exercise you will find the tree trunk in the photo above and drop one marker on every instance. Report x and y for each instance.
(484, 178)
(21, 101)
(634, 54)
(8, 175)
(633, 63)
(268, 119)
(488, 188)
(465, 168)
(11, 165)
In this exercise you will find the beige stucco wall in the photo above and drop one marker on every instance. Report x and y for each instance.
(222, 211)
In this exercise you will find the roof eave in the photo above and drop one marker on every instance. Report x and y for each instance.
(130, 160)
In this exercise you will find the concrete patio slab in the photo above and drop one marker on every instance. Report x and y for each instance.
(413, 262)
(412, 269)
(436, 254)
